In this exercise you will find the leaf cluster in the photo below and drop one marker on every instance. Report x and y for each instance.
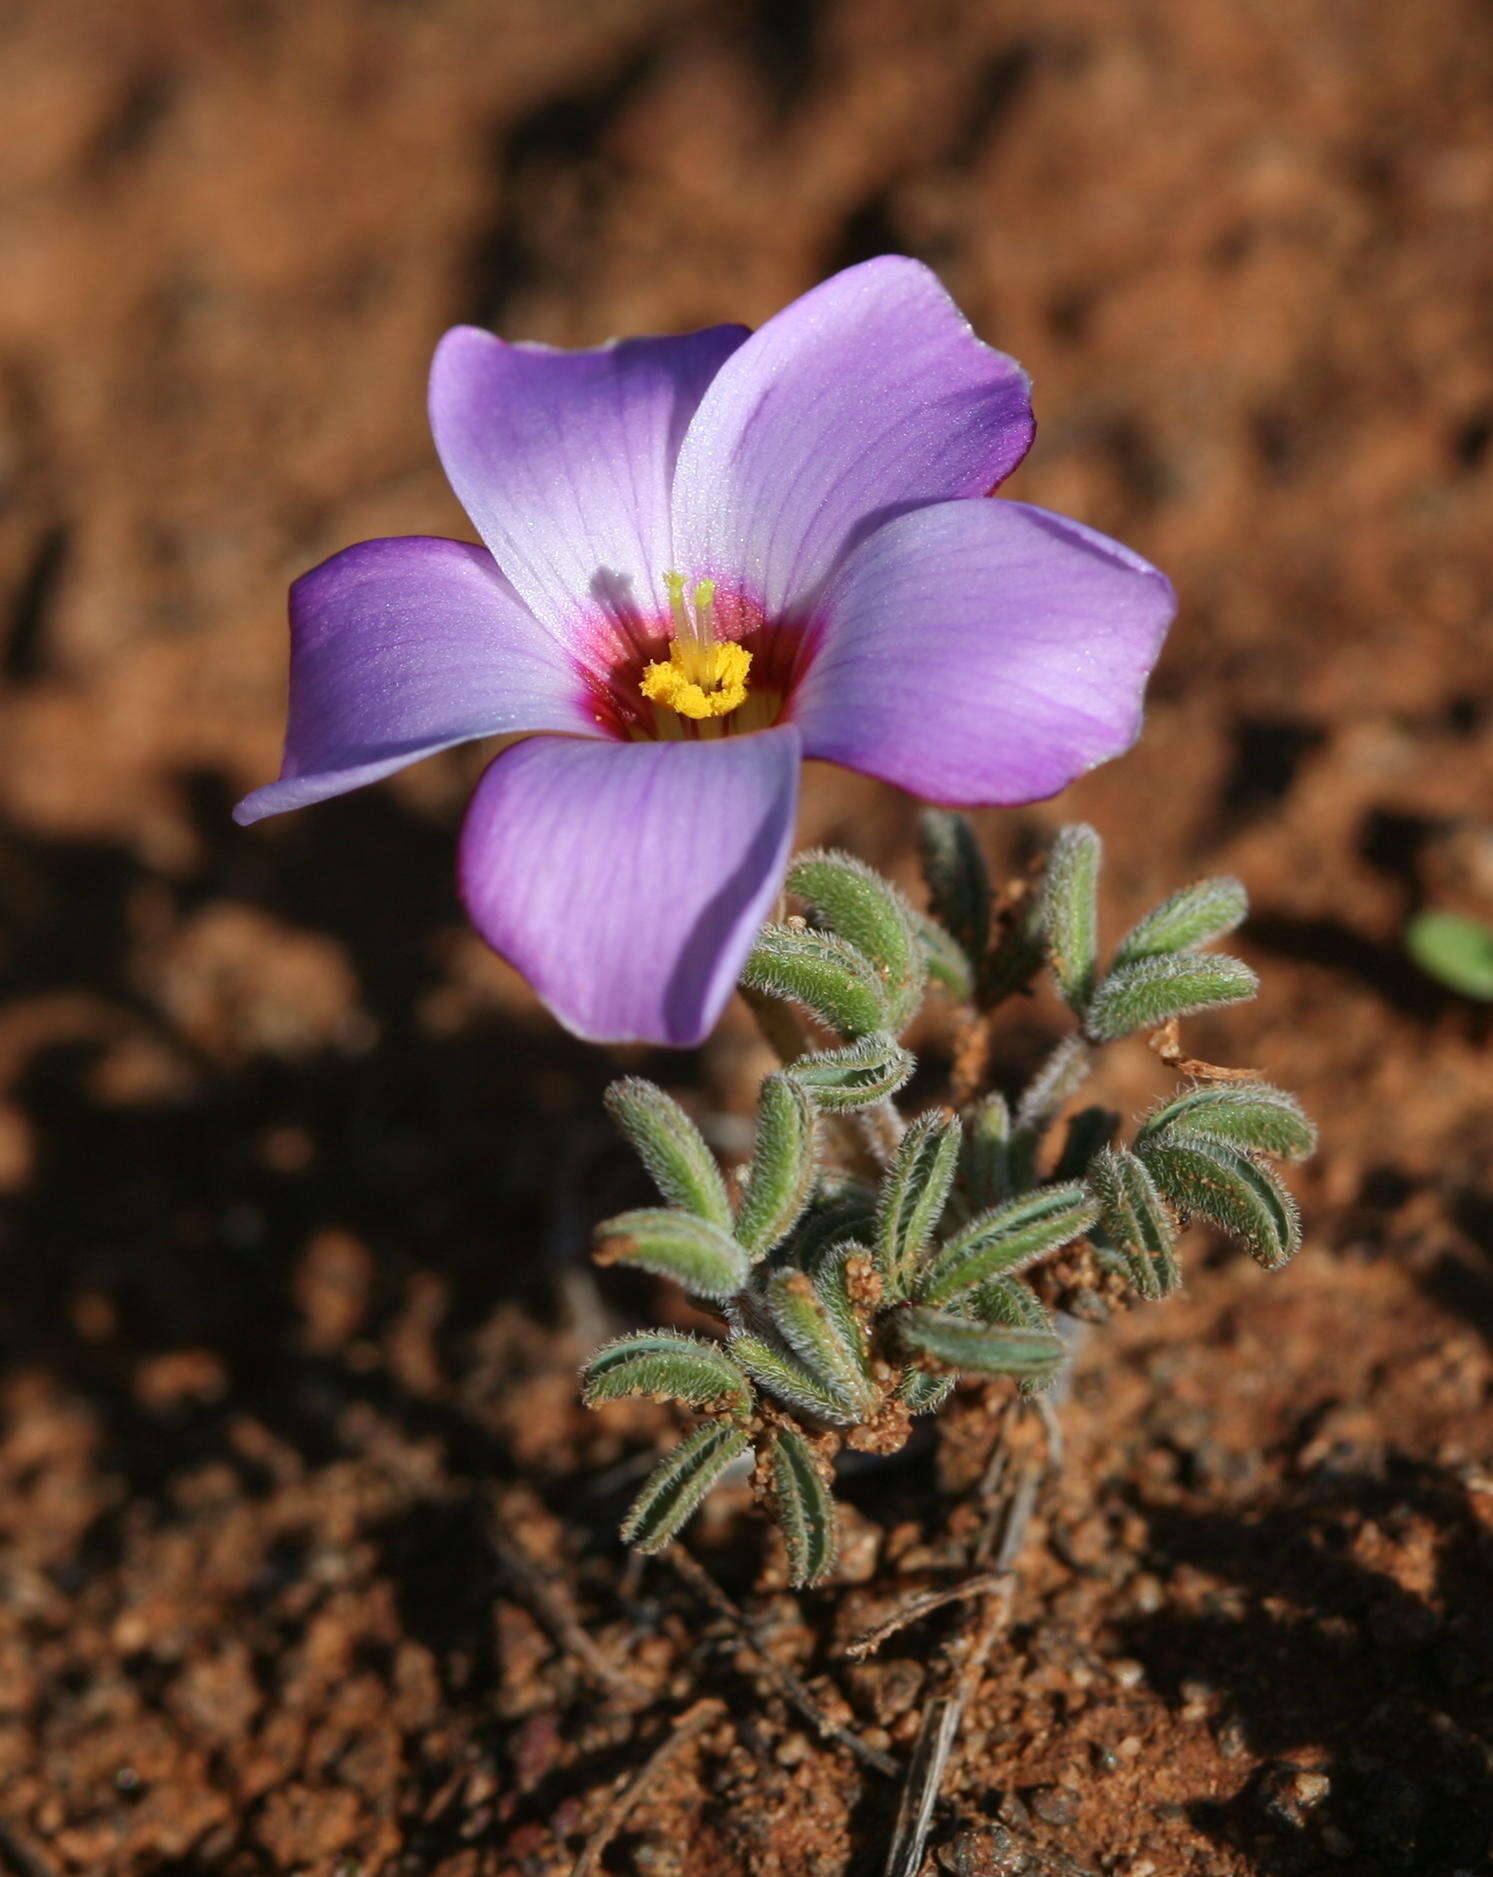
(852, 1292)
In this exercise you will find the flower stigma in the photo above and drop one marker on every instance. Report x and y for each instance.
(703, 676)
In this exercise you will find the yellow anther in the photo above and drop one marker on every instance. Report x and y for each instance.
(705, 611)
(699, 681)
(693, 620)
(684, 626)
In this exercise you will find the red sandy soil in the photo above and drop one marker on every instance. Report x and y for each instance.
(307, 1554)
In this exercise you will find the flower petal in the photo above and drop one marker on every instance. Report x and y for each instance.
(983, 652)
(564, 460)
(402, 647)
(627, 881)
(867, 395)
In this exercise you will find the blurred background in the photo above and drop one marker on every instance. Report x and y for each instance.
(294, 1177)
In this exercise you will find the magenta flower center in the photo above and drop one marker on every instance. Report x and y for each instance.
(714, 667)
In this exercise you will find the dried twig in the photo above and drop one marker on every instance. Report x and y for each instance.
(930, 1755)
(554, 1611)
(691, 1722)
(786, 1682)
(1167, 1042)
(924, 1604)
(1011, 1486)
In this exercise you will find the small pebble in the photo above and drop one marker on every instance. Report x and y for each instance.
(1287, 1792)
(1127, 1672)
(657, 1857)
(991, 1851)
(860, 1545)
(1055, 1805)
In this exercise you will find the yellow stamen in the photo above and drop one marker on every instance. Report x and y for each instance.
(684, 626)
(700, 681)
(705, 611)
(703, 676)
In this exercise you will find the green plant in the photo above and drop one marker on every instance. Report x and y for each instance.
(864, 1263)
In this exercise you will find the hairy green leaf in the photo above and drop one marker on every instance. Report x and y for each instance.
(914, 1191)
(1059, 1079)
(848, 1286)
(954, 1343)
(1253, 1115)
(841, 1209)
(1055, 1084)
(781, 1176)
(857, 1076)
(1010, 1303)
(666, 1365)
(924, 1391)
(1008, 1239)
(774, 1366)
(846, 897)
(947, 962)
(1133, 1216)
(801, 1317)
(1224, 1185)
(829, 977)
(957, 878)
(1150, 991)
(985, 1155)
(679, 1482)
(1070, 912)
(803, 1507)
(671, 1147)
(1188, 919)
(693, 1252)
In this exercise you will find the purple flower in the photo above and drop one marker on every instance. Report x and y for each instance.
(706, 558)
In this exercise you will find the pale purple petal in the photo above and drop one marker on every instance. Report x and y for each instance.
(983, 652)
(868, 395)
(402, 647)
(564, 460)
(627, 881)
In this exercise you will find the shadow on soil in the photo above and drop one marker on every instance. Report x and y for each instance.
(1391, 1696)
(177, 1219)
